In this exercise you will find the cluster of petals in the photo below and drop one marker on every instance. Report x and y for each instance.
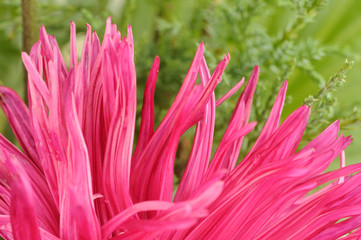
(79, 177)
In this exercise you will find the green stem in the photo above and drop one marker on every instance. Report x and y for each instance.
(29, 32)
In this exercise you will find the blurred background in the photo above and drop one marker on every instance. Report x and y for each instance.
(313, 43)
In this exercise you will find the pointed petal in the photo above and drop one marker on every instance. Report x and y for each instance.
(82, 75)
(73, 52)
(35, 77)
(140, 180)
(45, 42)
(117, 156)
(280, 145)
(238, 120)
(147, 121)
(273, 119)
(202, 145)
(230, 92)
(40, 125)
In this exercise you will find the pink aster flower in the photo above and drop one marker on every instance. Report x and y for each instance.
(77, 176)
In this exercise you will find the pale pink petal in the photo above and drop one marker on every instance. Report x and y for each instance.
(343, 164)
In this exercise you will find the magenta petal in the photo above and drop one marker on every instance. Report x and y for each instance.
(18, 116)
(172, 216)
(202, 145)
(147, 121)
(230, 92)
(78, 217)
(5, 230)
(151, 185)
(73, 52)
(47, 154)
(238, 120)
(35, 77)
(82, 76)
(119, 219)
(22, 209)
(273, 119)
(45, 209)
(120, 106)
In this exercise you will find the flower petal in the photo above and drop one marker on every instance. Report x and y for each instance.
(23, 217)
(18, 116)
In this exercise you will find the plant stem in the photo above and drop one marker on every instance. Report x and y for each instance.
(28, 8)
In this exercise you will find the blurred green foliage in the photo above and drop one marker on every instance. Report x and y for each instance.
(305, 41)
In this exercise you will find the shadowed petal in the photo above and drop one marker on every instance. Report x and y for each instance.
(18, 116)
(22, 208)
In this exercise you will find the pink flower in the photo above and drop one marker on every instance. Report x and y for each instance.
(79, 178)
